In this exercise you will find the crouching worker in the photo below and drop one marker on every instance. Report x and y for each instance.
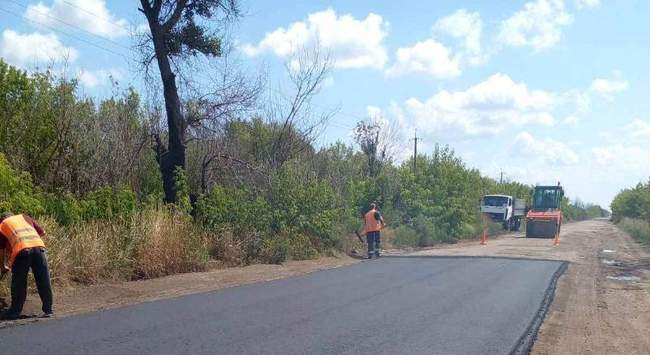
(23, 248)
(374, 224)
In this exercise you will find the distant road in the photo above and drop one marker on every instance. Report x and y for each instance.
(394, 305)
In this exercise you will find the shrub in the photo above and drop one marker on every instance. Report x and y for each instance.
(17, 191)
(107, 203)
(63, 207)
(637, 228)
(405, 236)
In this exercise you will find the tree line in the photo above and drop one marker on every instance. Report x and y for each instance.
(631, 210)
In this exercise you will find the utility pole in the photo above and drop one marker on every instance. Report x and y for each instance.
(415, 152)
(501, 178)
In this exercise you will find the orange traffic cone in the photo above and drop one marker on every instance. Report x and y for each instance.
(484, 237)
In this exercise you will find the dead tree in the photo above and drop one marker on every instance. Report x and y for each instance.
(296, 124)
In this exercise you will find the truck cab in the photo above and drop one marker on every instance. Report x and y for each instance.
(504, 209)
(497, 207)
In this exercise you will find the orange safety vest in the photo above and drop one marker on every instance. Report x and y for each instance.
(20, 236)
(372, 225)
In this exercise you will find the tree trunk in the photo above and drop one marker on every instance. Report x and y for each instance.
(174, 156)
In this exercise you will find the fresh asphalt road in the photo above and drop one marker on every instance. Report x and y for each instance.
(394, 305)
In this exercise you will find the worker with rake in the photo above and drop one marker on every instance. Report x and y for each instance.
(20, 239)
(374, 223)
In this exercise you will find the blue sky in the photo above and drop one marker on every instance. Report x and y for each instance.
(543, 90)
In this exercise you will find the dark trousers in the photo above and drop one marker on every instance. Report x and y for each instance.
(373, 243)
(35, 259)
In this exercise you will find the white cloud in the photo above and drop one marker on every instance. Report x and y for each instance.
(638, 129)
(91, 79)
(587, 3)
(34, 48)
(90, 15)
(621, 158)
(466, 26)
(483, 109)
(538, 25)
(547, 150)
(353, 43)
(435, 59)
(427, 57)
(606, 88)
(571, 120)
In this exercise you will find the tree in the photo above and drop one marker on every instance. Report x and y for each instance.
(377, 140)
(295, 123)
(178, 33)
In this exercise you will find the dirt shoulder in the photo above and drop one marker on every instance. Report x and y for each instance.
(602, 302)
(75, 300)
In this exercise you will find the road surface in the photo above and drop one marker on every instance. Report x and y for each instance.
(394, 305)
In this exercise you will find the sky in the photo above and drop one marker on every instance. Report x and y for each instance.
(541, 90)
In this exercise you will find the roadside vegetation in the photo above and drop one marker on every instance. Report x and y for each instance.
(631, 211)
(223, 170)
(253, 192)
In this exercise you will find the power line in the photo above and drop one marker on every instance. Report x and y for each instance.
(70, 25)
(66, 34)
(97, 16)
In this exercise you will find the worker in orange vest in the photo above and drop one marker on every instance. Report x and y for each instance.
(374, 224)
(20, 239)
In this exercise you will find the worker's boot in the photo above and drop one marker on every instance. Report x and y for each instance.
(9, 315)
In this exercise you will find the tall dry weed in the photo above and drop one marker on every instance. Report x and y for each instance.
(170, 244)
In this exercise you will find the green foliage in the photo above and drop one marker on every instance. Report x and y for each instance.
(182, 190)
(306, 203)
(108, 203)
(102, 204)
(235, 208)
(631, 210)
(639, 229)
(64, 208)
(17, 191)
(632, 203)
(579, 211)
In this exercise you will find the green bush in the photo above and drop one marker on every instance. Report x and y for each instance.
(306, 203)
(103, 204)
(405, 236)
(64, 207)
(182, 191)
(637, 228)
(235, 208)
(108, 203)
(17, 192)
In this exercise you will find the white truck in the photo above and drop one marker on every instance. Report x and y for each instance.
(504, 209)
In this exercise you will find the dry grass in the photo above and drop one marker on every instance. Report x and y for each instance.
(152, 243)
(169, 244)
(639, 229)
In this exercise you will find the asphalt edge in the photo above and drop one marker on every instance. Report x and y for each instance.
(497, 257)
(525, 343)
